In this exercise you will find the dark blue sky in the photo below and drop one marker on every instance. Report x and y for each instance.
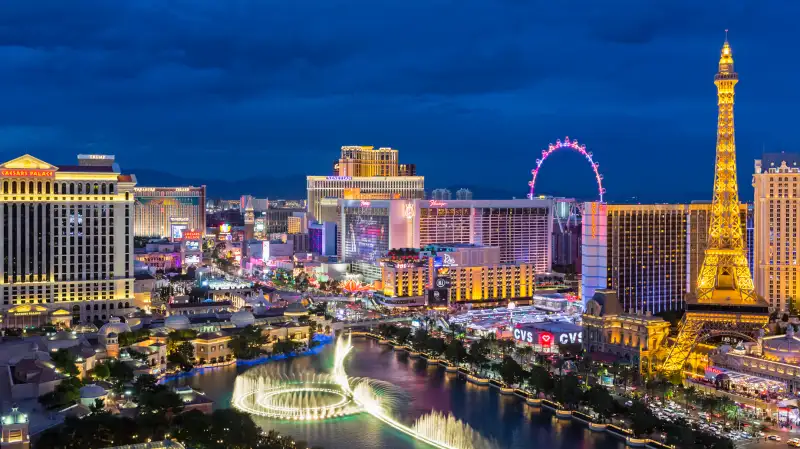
(469, 90)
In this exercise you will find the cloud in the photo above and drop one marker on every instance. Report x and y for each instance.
(466, 89)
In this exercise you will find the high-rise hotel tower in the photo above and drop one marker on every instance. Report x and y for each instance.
(67, 241)
(362, 173)
(776, 185)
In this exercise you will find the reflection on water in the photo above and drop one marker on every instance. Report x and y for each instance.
(506, 419)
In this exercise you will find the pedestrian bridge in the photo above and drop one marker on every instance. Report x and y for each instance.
(371, 323)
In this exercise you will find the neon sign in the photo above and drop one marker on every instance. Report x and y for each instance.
(339, 178)
(365, 203)
(436, 203)
(448, 261)
(26, 173)
(192, 235)
(546, 339)
(410, 211)
(571, 337)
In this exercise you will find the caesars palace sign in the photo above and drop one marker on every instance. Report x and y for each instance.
(548, 338)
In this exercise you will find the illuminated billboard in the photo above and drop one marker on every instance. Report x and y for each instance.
(193, 259)
(177, 230)
(192, 245)
(192, 235)
(225, 228)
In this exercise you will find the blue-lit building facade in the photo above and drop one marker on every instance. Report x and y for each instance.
(649, 253)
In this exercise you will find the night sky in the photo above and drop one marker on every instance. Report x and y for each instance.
(469, 90)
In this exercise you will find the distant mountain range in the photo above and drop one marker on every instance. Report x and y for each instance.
(289, 187)
(294, 187)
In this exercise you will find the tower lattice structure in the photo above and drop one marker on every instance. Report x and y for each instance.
(726, 302)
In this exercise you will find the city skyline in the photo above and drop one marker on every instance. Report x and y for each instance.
(253, 86)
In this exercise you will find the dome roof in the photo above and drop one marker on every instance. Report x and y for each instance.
(177, 322)
(243, 318)
(783, 347)
(295, 309)
(92, 391)
(114, 325)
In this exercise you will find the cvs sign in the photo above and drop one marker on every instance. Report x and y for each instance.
(523, 335)
(570, 337)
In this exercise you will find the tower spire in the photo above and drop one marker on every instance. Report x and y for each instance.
(726, 302)
(726, 57)
(725, 272)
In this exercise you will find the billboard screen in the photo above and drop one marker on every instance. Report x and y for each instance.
(367, 238)
(438, 297)
(225, 228)
(194, 259)
(193, 245)
(177, 230)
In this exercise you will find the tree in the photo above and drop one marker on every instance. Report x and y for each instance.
(600, 401)
(185, 350)
(144, 383)
(793, 308)
(101, 371)
(420, 341)
(301, 282)
(570, 350)
(66, 393)
(455, 352)
(541, 380)
(227, 429)
(93, 431)
(436, 345)
(247, 343)
(505, 347)
(286, 347)
(99, 406)
(64, 362)
(159, 399)
(510, 371)
(643, 422)
(568, 390)
(402, 335)
(478, 352)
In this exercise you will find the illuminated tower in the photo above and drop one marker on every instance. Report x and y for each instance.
(726, 304)
(249, 219)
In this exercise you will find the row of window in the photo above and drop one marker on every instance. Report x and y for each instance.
(72, 188)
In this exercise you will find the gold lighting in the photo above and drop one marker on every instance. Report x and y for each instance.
(725, 292)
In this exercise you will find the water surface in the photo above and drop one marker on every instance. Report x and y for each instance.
(506, 419)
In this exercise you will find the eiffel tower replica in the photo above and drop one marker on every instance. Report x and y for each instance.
(726, 303)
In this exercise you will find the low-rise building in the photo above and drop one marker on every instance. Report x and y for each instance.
(774, 358)
(637, 338)
(212, 345)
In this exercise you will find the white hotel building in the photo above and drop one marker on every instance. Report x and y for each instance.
(326, 190)
(67, 241)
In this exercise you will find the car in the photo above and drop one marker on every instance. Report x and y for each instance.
(774, 438)
(794, 442)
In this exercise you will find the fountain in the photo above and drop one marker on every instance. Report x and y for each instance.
(265, 391)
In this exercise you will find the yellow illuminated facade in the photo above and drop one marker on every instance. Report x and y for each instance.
(492, 283)
(66, 237)
(401, 280)
(726, 302)
(366, 161)
(638, 338)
